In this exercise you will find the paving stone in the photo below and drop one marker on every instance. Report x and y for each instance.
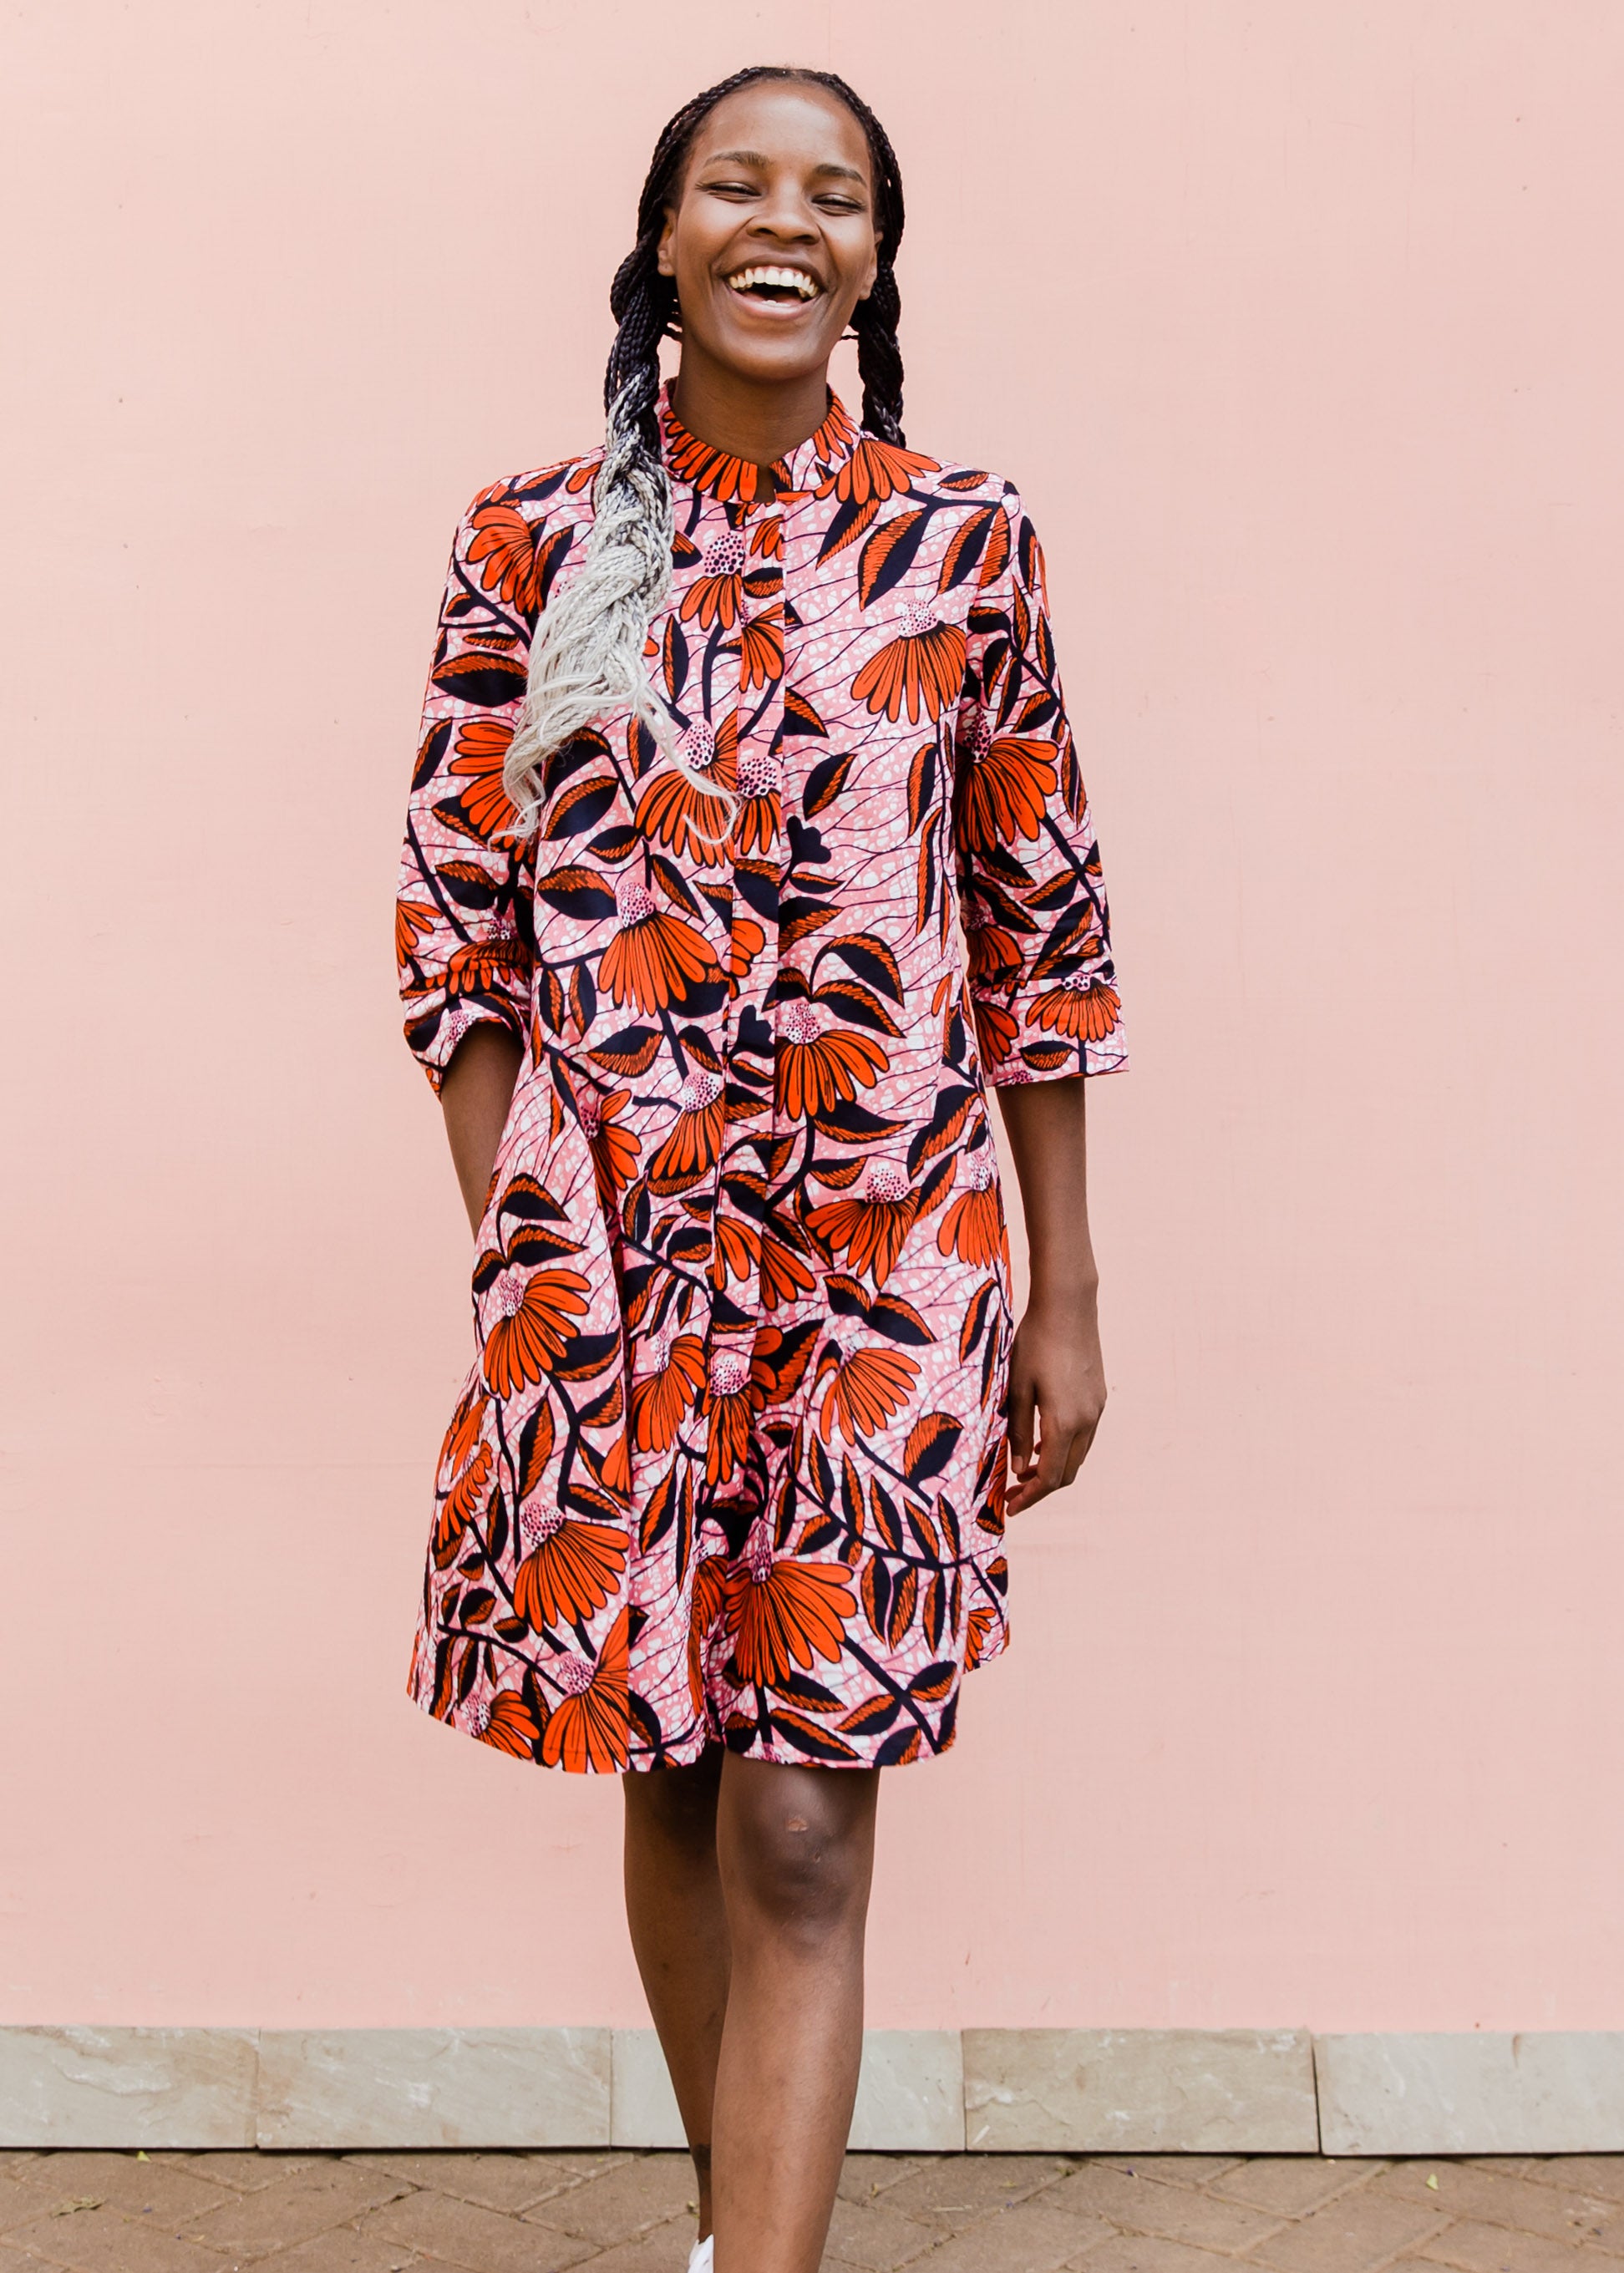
(1143, 2205)
(876, 2237)
(1292, 2184)
(1174, 2170)
(343, 2251)
(665, 2250)
(104, 2241)
(623, 2204)
(1499, 2250)
(170, 2196)
(464, 2233)
(1353, 2234)
(505, 2182)
(1031, 2238)
(304, 2203)
(1150, 2253)
(19, 2205)
(1583, 2174)
(959, 2188)
(1467, 2190)
(247, 2168)
(863, 2176)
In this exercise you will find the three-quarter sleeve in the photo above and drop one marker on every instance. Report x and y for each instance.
(464, 915)
(1032, 894)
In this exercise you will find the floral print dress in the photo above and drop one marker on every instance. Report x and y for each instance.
(729, 1465)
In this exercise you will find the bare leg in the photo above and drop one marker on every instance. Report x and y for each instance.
(678, 1927)
(796, 1850)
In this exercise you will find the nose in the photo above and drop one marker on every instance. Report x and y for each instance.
(785, 216)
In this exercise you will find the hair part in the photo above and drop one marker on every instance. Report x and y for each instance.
(587, 656)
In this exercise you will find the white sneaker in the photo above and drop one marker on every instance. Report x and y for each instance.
(702, 2257)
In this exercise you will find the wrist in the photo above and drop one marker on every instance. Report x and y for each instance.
(1072, 1301)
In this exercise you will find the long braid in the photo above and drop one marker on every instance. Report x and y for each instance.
(587, 656)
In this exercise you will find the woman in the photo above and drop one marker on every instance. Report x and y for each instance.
(731, 725)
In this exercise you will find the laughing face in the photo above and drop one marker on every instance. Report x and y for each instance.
(771, 240)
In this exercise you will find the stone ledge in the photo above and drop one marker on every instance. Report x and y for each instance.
(1019, 2090)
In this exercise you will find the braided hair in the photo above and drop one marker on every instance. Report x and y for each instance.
(588, 655)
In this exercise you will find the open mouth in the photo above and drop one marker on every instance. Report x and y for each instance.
(775, 285)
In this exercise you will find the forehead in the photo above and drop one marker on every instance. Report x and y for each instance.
(785, 122)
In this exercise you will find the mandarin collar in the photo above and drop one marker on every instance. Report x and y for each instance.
(807, 468)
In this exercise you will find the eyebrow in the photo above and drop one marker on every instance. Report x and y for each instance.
(754, 158)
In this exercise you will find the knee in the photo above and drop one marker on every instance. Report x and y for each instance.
(795, 1869)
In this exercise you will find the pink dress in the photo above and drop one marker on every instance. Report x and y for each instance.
(729, 1465)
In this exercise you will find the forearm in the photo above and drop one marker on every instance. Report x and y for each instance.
(475, 1095)
(1047, 1125)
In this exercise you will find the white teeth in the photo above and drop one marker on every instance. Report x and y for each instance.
(794, 280)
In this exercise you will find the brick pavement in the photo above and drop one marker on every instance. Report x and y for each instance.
(623, 2213)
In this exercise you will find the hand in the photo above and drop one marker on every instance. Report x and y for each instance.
(1057, 1380)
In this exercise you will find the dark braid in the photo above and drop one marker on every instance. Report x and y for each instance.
(587, 656)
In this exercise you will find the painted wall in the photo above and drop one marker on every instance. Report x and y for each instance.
(1299, 328)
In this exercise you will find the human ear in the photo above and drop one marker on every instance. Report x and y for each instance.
(664, 260)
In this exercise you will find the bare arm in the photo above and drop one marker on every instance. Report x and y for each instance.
(1055, 1369)
(475, 1095)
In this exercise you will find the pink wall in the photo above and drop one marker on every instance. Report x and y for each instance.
(1299, 328)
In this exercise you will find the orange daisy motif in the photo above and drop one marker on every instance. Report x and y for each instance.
(674, 810)
(507, 1721)
(717, 594)
(817, 1070)
(784, 1614)
(761, 649)
(586, 1728)
(569, 1568)
(996, 1030)
(1007, 785)
(1085, 1007)
(654, 959)
(412, 924)
(481, 753)
(695, 1137)
(615, 1153)
(536, 1314)
(877, 470)
(972, 1228)
(922, 671)
(995, 957)
(731, 1404)
(662, 1400)
(761, 782)
(870, 1232)
(504, 550)
(867, 1389)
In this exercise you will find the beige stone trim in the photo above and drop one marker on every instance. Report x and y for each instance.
(1137, 2090)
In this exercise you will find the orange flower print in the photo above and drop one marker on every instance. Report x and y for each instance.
(507, 1721)
(784, 1614)
(586, 1728)
(731, 1404)
(868, 1232)
(696, 1136)
(662, 1400)
(738, 1251)
(995, 957)
(1006, 784)
(503, 549)
(484, 966)
(710, 1594)
(654, 959)
(536, 1314)
(673, 810)
(412, 923)
(923, 669)
(569, 1568)
(972, 1228)
(761, 649)
(615, 1154)
(996, 1030)
(481, 754)
(717, 594)
(761, 782)
(868, 1388)
(816, 1070)
(464, 1501)
(784, 1278)
(982, 1624)
(877, 470)
(1084, 1007)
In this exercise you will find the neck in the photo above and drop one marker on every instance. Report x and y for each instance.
(757, 420)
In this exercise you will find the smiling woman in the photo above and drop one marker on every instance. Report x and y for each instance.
(738, 729)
